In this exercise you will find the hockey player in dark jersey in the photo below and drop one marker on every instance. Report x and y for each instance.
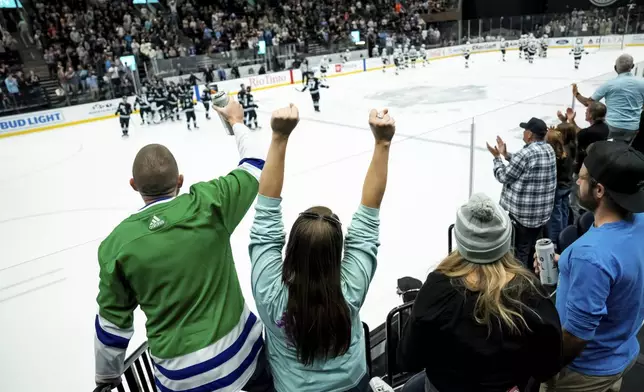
(144, 107)
(241, 94)
(205, 100)
(174, 94)
(124, 110)
(161, 98)
(314, 86)
(250, 114)
(188, 107)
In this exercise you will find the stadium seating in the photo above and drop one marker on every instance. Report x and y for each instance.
(567, 237)
(584, 223)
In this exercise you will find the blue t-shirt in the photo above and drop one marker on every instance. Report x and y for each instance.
(600, 297)
(624, 98)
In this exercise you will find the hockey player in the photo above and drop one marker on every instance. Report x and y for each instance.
(161, 98)
(375, 52)
(124, 110)
(346, 56)
(523, 46)
(532, 50)
(504, 47)
(577, 51)
(413, 56)
(304, 68)
(174, 92)
(544, 46)
(466, 53)
(188, 107)
(144, 106)
(314, 86)
(250, 114)
(385, 60)
(241, 93)
(324, 66)
(405, 56)
(205, 100)
(422, 54)
(398, 60)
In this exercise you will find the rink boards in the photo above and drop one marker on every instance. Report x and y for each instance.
(64, 117)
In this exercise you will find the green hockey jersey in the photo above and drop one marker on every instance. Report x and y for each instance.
(173, 259)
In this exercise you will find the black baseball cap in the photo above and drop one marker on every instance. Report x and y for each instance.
(536, 126)
(620, 169)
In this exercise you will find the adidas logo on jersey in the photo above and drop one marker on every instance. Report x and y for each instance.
(156, 223)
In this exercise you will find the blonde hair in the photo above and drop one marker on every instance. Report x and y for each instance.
(499, 299)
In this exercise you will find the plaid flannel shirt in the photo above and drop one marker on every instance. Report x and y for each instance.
(529, 183)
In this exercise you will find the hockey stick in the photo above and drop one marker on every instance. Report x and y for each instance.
(298, 90)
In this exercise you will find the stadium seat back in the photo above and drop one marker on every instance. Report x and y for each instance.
(584, 222)
(567, 237)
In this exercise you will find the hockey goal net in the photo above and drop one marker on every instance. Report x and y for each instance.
(611, 42)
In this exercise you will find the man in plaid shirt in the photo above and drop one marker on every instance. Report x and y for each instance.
(529, 184)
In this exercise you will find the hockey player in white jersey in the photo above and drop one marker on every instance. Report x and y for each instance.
(346, 56)
(543, 49)
(413, 56)
(324, 67)
(504, 47)
(375, 52)
(577, 51)
(466, 53)
(422, 54)
(532, 50)
(523, 45)
(398, 60)
(385, 59)
(406, 56)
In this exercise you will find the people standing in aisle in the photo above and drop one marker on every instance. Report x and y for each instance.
(250, 112)
(173, 258)
(487, 315)
(529, 184)
(188, 106)
(600, 294)
(314, 86)
(624, 97)
(124, 111)
(577, 51)
(596, 132)
(560, 140)
(145, 111)
(206, 99)
(466, 53)
(504, 48)
(313, 294)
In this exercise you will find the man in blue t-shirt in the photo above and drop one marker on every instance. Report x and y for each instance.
(600, 297)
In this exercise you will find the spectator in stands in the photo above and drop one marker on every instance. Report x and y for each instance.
(600, 296)
(624, 99)
(529, 185)
(311, 300)
(565, 161)
(12, 88)
(199, 329)
(481, 322)
(597, 131)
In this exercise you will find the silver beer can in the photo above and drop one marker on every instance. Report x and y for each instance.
(549, 273)
(220, 99)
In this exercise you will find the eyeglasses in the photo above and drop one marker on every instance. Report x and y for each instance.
(314, 215)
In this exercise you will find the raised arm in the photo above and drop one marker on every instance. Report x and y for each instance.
(383, 127)
(283, 122)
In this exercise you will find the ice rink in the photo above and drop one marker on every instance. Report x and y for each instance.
(63, 191)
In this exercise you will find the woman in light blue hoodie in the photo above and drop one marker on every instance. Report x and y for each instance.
(310, 301)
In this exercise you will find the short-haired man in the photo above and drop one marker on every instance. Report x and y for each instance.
(624, 97)
(173, 258)
(596, 132)
(600, 296)
(529, 185)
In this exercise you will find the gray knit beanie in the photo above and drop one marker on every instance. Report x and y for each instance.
(483, 231)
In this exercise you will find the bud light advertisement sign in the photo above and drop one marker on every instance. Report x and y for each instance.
(30, 121)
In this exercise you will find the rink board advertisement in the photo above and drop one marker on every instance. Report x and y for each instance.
(52, 119)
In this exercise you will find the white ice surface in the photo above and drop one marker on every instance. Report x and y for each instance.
(62, 191)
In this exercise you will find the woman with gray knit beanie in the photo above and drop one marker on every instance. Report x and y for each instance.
(481, 321)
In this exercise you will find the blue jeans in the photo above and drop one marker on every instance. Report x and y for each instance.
(559, 218)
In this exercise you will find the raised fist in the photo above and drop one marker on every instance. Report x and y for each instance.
(383, 126)
(284, 121)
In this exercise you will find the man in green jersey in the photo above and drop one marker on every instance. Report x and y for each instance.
(173, 259)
